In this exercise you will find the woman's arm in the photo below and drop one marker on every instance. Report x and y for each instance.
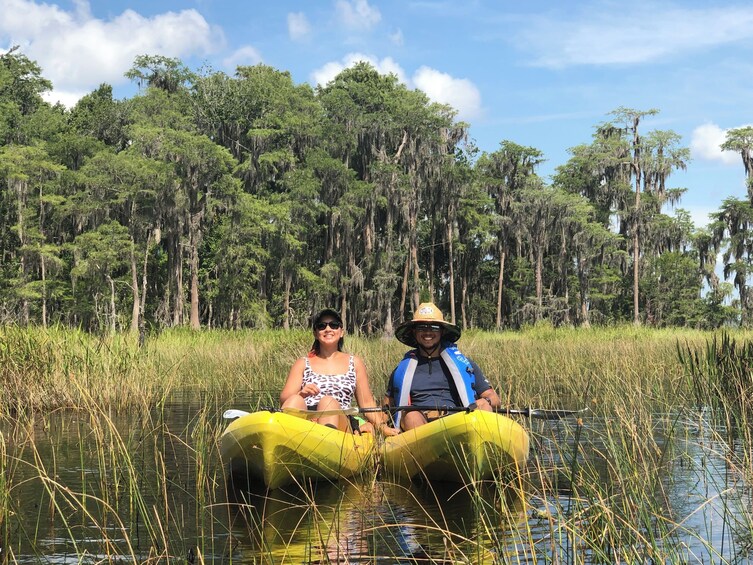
(365, 399)
(294, 381)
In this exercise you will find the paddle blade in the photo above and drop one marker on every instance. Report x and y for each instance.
(233, 414)
(542, 414)
(309, 414)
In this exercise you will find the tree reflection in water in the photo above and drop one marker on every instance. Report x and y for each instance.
(369, 522)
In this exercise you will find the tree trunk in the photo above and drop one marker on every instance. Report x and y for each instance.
(745, 309)
(388, 328)
(193, 238)
(369, 230)
(413, 250)
(464, 298)
(134, 290)
(404, 291)
(344, 307)
(144, 274)
(43, 272)
(113, 310)
(42, 265)
(180, 297)
(174, 288)
(636, 246)
(539, 280)
(636, 274)
(416, 277)
(502, 256)
(286, 299)
(430, 276)
(584, 315)
(563, 273)
(330, 246)
(20, 187)
(194, 319)
(450, 263)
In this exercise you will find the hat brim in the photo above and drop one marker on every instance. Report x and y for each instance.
(326, 312)
(404, 332)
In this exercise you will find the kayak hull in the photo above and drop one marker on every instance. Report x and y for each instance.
(462, 447)
(280, 449)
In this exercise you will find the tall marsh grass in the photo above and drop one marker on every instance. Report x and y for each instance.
(721, 375)
(544, 366)
(95, 467)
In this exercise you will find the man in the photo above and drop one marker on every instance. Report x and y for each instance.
(435, 374)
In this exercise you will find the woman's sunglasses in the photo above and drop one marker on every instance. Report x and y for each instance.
(321, 325)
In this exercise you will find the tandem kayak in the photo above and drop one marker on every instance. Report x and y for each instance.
(461, 447)
(280, 449)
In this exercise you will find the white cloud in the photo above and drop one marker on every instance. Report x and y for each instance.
(326, 73)
(459, 93)
(699, 214)
(357, 14)
(66, 98)
(330, 70)
(620, 33)
(298, 26)
(397, 38)
(242, 57)
(705, 145)
(78, 52)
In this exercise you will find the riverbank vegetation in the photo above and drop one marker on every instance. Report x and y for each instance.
(109, 453)
(44, 369)
(249, 201)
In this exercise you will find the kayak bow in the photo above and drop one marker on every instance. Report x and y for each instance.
(281, 449)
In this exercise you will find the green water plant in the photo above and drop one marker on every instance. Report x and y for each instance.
(721, 375)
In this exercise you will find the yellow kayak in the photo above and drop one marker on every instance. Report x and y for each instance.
(461, 447)
(282, 449)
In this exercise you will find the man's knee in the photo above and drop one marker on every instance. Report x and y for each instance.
(412, 420)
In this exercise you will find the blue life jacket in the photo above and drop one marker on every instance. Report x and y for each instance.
(460, 369)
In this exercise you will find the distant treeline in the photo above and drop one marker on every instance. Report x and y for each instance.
(249, 201)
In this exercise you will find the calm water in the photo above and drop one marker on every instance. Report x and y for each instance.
(136, 487)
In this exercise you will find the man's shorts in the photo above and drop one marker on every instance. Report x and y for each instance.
(430, 416)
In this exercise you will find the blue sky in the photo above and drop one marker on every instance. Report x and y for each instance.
(539, 73)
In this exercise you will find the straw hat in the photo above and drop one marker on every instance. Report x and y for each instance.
(426, 313)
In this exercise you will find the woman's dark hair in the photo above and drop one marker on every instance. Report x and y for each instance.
(318, 318)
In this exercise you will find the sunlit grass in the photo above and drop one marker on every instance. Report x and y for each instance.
(541, 366)
(131, 487)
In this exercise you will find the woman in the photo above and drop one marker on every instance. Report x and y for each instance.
(327, 379)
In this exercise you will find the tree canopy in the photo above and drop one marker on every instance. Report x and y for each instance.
(210, 200)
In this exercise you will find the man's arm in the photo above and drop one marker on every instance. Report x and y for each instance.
(488, 397)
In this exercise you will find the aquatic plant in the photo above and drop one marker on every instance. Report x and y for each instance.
(108, 452)
(721, 375)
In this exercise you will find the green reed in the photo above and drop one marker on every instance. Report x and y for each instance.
(49, 368)
(721, 375)
(591, 493)
(609, 491)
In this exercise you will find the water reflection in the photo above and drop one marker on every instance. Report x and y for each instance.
(370, 522)
(680, 492)
(93, 487)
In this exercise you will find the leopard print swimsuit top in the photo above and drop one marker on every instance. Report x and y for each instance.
(340, 387)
